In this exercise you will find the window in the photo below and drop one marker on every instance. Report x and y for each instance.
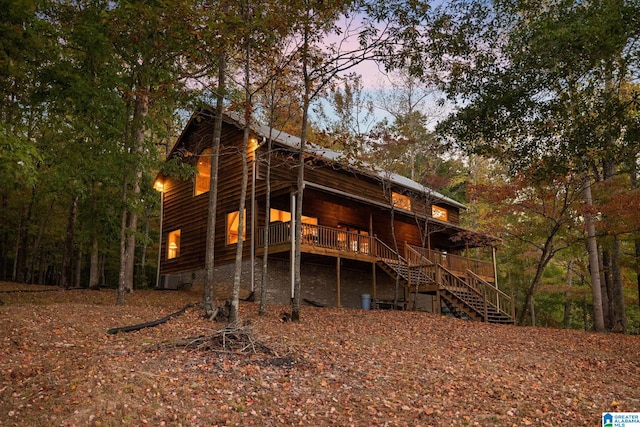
(276, 215)
(173, 244)
(203, 177)
(401, 201)
(439, 213)
(233, 225)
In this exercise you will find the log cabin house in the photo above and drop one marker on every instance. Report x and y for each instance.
(365, 232)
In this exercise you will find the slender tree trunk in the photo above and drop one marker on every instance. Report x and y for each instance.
(237, 277)
(209, 286)
(22, 263)
(142, 275)
(67, 277)
(532, 309)
(94, 271)
(18, 251)
(619, 313)
(78, 276)
(36, 252)
(266, 237)
(4, 247)
(566, 321)
(139, 119)
(297, 287)
(396, 287)
(123, 246)
(546, 256)
(592, 248)
(606, 286)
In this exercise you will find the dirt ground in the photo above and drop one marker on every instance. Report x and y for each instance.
(59, 367)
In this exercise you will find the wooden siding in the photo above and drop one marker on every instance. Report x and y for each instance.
(348, 182)
(184, 211)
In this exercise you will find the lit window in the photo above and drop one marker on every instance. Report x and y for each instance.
(203, 178)
(276, 215)
(233, 225)
(401, 201)
(439, 213)
(173, 242)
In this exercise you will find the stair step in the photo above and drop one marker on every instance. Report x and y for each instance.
(465, 304)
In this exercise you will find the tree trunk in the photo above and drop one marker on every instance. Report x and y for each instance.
(35, 252)
(532, 309)
(618, 309)
(266, 237)
(566, 320)
(635, 185)
(209, 286)
(94, 271)
(142, 271)
(546, 256)
(297, 287)
(67, 257)
(123, 246)
(606, 286)
(78, 275)
(139, 119)
(592, 248)
(4, 246)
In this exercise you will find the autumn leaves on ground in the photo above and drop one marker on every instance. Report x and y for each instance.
(59, 367)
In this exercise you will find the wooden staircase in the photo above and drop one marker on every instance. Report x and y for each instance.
(464, 295)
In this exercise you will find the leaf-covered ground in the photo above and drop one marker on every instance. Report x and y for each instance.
(59, 367)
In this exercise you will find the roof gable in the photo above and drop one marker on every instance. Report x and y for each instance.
(291, 142)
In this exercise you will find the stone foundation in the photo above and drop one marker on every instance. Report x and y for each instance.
(318, 282)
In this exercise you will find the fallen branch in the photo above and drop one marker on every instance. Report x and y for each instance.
(234, 337)
(313, 303)
(149, 324)
(25, 291)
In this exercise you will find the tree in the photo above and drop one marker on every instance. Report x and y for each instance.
(385, 26)
(541, 87)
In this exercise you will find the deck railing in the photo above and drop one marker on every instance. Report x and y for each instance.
(321, 237)
(456, 262)
(502, 302)
(345, 241)
(457, 274)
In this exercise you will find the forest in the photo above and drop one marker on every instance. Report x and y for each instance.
(528, 112)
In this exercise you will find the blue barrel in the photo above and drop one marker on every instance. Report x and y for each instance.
(365, 300)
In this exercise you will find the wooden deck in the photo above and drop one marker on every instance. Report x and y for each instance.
(333, 242)
(465, 284)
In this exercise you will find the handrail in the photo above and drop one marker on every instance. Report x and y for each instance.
(452, 283)
(385, 252)
(499, 300)
(415, 257)
(318, 236)
(456, 262)
(419, 264)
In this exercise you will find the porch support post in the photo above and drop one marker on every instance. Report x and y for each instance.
(292, 236)
(495, 275)
(338, 281)
(468, 258)
(160, 240)
(495, 269)
(373, 274)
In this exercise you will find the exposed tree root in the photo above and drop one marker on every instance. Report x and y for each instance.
(149, 324)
